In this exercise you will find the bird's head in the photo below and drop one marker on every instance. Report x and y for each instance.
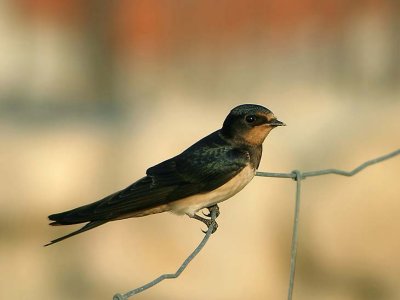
(250, 123)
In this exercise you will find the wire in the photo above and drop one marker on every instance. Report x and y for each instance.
(298, 177)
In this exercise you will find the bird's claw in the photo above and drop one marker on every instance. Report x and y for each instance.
(210, 223)
(210, 209)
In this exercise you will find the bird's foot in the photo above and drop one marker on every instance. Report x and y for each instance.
(211, 208)
(208, 222)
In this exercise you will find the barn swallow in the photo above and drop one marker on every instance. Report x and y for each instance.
(208, 172)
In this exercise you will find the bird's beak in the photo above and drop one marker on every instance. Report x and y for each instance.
(276, 123)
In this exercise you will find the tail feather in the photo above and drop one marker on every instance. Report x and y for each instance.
(88, 226)
(77, 215)
(135, 198)
(82, 214)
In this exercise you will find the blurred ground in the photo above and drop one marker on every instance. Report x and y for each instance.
(93, 94)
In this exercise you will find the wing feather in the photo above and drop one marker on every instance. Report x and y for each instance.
(203, 167)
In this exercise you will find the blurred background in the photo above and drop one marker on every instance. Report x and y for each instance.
(94, 92)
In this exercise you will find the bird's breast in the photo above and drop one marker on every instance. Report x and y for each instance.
(190, 205)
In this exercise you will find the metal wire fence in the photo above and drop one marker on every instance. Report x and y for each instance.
(296, 175)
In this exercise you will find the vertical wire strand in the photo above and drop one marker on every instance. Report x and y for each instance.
(295, 235)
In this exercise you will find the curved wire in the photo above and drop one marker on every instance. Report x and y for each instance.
(296, 175)
(196, 251)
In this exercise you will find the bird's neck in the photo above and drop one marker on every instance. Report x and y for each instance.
(255, 156)
(255, 151)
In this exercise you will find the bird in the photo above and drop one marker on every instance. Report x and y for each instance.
(210, 171)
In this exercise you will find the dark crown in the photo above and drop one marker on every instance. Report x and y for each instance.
(245, 109)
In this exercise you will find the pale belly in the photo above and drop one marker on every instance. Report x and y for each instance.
(190, 205)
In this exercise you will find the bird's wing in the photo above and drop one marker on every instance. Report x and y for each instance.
(199, 171)
(187, 174)
(201, 168)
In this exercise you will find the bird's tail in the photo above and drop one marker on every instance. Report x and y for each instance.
(75, 216)
(88, 226)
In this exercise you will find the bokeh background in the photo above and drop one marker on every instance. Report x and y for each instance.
(94, 92)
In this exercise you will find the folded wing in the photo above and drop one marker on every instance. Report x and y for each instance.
(201, 168)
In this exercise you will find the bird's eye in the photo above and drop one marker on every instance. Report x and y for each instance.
(250, 119)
